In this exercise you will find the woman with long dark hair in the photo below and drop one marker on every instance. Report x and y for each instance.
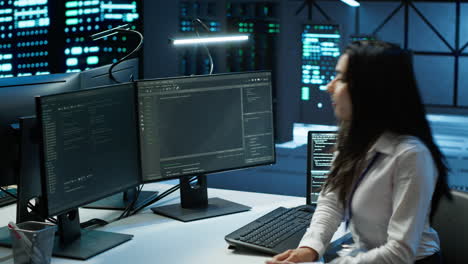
(388, 175)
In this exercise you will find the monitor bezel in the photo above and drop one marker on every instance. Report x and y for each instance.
(309, 160)
(45, 196)
(273, 161)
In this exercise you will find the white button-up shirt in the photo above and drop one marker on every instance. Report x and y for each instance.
(391, 206)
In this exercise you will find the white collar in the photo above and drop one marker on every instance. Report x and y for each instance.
(385, 144)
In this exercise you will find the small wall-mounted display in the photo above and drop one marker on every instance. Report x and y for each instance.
(320, 52)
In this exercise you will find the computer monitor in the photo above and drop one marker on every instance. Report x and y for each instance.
(19, 95)
(192, 126)
(87, 138)
(320, 148)
(18, 100)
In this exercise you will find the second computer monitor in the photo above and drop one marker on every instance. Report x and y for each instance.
(193, 126)
(203, 124)
(320, 149)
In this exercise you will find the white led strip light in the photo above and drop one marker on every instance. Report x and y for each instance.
(205, 40)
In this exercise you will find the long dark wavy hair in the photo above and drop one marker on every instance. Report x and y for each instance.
(385, 98)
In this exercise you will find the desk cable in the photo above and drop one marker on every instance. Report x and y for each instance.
(159, 197)
(130, 210)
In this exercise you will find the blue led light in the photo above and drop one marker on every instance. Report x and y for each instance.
(6, 67)
(42, 72)
(26, 24)
(92, 60)
(305, 94)
(76, 50)
(72, 61)
(25, 74)
(22, 3)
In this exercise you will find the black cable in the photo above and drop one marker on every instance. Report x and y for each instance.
(128, 55)
(157, 198)
(202, 24)
(124, 214)
(160, 196)
(128, 212)
(130, 206)
(204, 45)
(93, 222)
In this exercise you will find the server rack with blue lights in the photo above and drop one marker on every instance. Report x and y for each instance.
(84, 18)
(259, 19)
(31, 44)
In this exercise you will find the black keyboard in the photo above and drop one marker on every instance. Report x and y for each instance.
(275, 232)
(6, 199)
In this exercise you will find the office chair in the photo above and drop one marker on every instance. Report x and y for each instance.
(451, 222)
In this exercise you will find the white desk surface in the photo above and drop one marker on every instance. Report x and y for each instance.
(158, 239)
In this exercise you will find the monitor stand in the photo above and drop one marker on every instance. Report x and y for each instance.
(28, 180)
(121, 201)
(195, 204)
(73, 242)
